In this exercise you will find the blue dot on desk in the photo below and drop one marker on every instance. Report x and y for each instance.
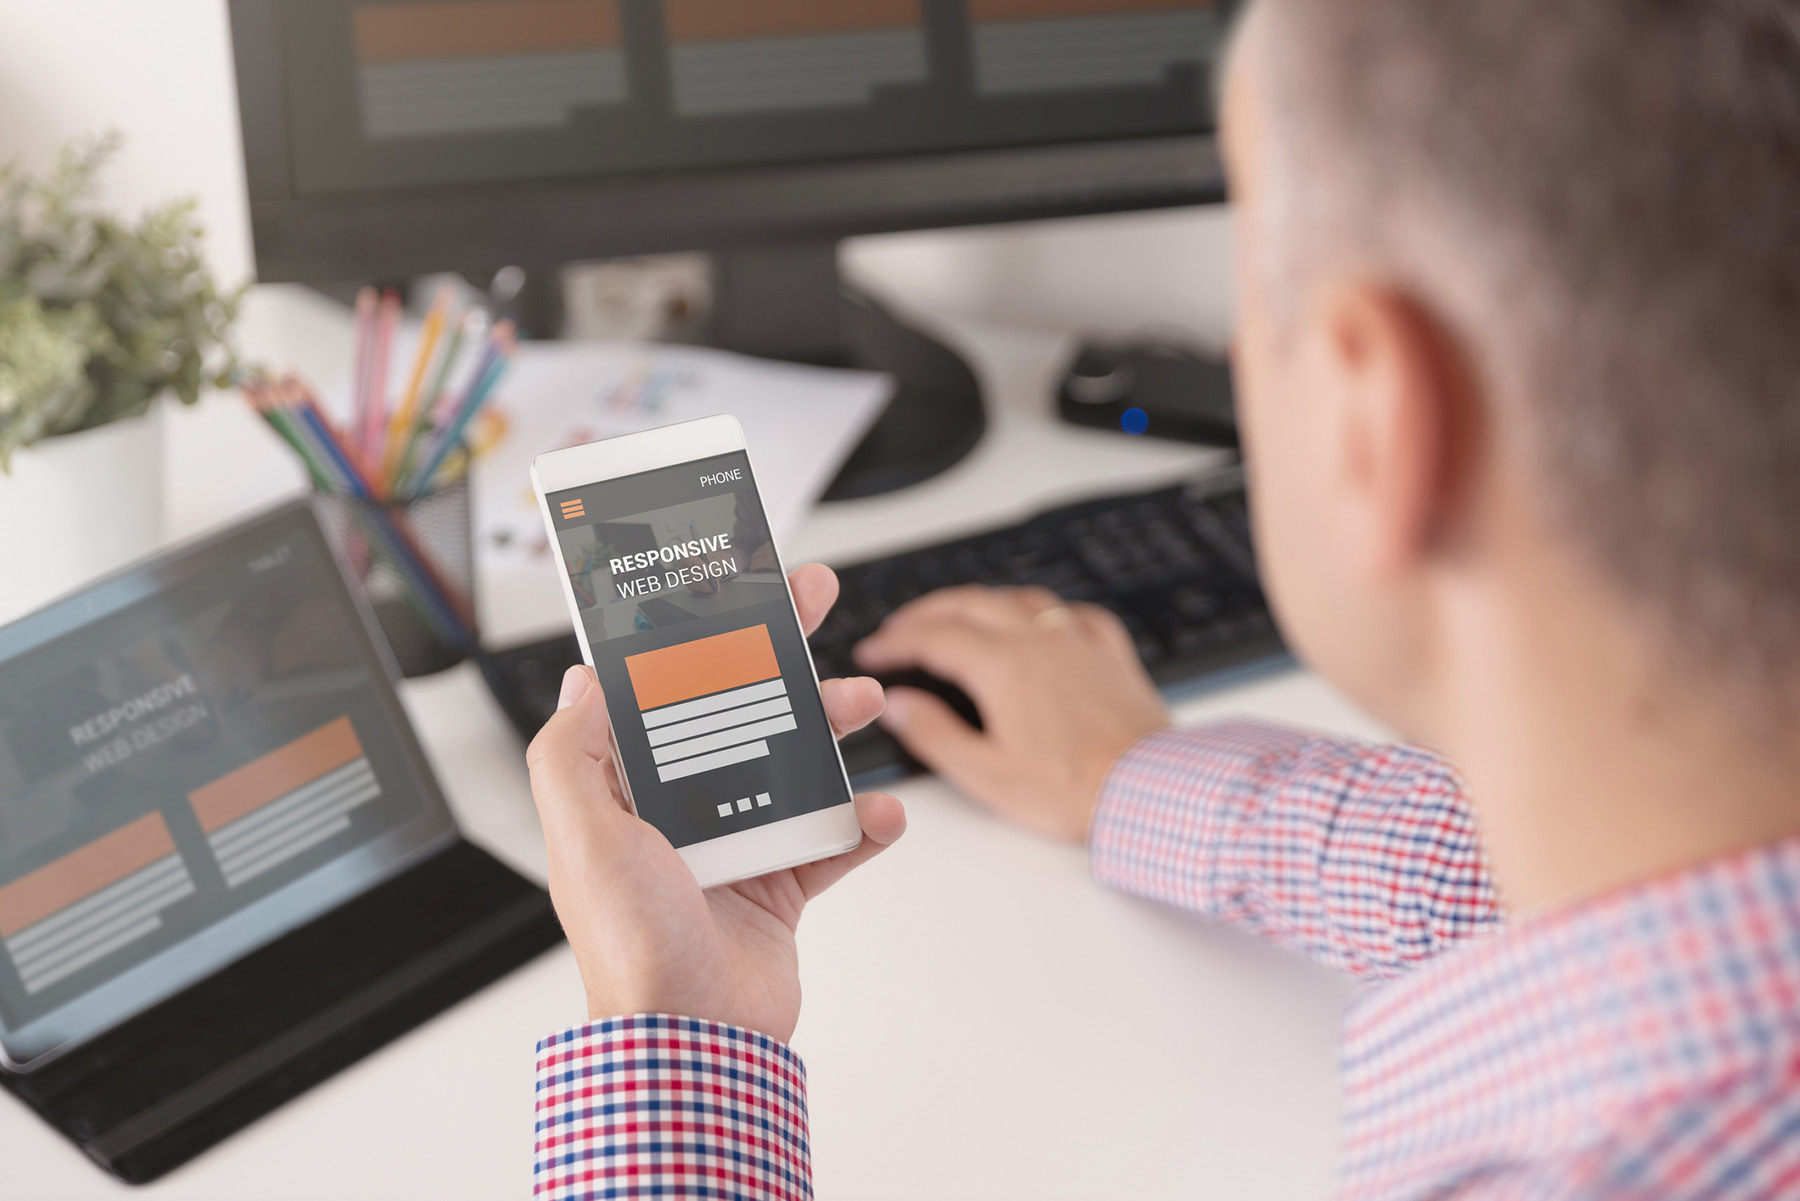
(1134, 421)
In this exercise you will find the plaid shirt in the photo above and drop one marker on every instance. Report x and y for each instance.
(1643, 1045)
(661, 1106)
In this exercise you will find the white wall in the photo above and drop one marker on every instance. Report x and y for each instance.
(1165, 271)
(161, 72)
(157, 70)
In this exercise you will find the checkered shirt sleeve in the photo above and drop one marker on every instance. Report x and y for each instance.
(659, 1106)
(1639, 1045)
(1364, 857)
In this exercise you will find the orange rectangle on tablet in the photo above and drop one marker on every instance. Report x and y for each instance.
(275, 774)
(83, 872)
(702, 667)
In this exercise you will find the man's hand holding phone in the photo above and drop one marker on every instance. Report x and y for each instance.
(646, 938)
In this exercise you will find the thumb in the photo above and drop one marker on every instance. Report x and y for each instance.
(569, 759)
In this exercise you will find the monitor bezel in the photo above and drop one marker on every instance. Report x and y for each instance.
(476, 228)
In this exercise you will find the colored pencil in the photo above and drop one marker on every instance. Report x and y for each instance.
(490, 354)
(488, 368)
(374, 419)
(258, 392)
(334, 465)
(502, 343)
(459, 330)
(388, 461)
(362, 387)
(428, 404)
(394, 453)
(409, 553)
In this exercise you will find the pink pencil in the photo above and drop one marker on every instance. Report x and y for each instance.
(375, 418)
(360, 391)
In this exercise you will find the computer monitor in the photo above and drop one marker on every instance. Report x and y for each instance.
(391, 138)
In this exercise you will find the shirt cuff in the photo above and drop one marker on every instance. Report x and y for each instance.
(665, 1106)
(1168, 820)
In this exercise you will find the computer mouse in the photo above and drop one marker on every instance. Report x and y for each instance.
(1158, 389)
(941, 688)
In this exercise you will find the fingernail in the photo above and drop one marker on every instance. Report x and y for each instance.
(574, 687)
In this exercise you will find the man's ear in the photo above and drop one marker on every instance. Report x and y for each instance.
(1404, 423)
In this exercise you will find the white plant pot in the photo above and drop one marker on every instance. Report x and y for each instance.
(78, 506)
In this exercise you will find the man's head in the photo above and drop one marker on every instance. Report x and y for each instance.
(1517, 270)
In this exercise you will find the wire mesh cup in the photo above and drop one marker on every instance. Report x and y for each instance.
(415, 562)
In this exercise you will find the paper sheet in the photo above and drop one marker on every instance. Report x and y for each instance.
(800, 423)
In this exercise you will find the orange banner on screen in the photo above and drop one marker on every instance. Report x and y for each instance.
(1045, 10)
(731, 20)
(706, 665)
(83, 872)
(387, 33)
(276, 774)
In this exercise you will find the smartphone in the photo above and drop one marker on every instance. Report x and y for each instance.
(683, 611)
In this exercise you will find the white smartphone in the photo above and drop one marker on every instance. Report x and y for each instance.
(683, 611)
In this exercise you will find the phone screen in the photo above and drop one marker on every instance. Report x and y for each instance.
(685, 610)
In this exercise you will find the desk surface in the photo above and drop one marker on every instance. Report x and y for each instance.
(981, 1021)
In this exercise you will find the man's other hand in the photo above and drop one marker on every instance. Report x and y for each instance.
(1059, 687)
(645, 937)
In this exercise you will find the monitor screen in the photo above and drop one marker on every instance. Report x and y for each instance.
(196, 756)
(385, 94)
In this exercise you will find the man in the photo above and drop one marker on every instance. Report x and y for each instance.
(1519, 358)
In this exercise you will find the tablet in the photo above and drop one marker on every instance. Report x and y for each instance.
(197, 755)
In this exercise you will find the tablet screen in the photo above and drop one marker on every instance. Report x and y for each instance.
(195, 756)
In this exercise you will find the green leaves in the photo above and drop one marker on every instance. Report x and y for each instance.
(97, 318)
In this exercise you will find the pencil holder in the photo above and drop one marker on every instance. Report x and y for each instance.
(416, 564)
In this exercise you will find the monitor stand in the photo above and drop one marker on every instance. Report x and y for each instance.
(788, 302)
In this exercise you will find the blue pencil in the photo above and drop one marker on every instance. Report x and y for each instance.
(495, 363)
(439, 604)
(342, 467)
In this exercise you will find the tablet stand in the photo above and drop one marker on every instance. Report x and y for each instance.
(176, 1079)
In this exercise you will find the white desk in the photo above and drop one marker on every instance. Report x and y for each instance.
(981, 1021)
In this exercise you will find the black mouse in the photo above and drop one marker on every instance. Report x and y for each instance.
(1165, 391)
(941, 688)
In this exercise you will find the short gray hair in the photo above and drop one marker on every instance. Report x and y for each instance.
(1605, 196)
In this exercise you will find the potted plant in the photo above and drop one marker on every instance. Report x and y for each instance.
(98, 319)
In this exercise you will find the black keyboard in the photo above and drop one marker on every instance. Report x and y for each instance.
(1175, 565)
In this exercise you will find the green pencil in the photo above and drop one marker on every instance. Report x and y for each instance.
(280, 423)
(427, 406)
